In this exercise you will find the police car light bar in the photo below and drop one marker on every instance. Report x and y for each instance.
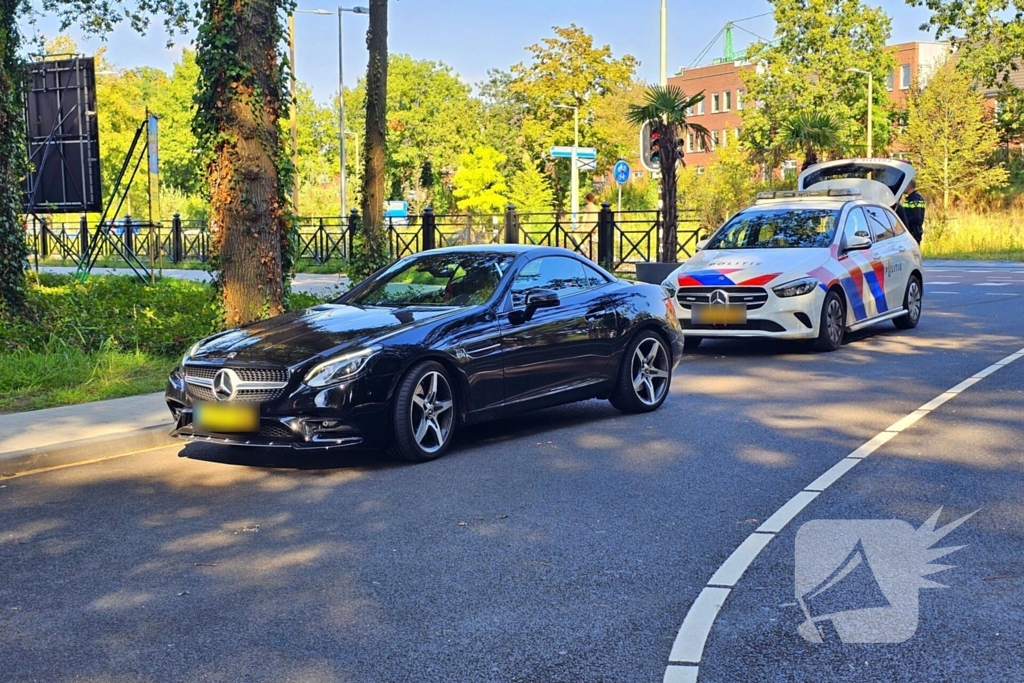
(808, 194)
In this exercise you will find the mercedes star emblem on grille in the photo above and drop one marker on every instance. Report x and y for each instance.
(719, 297)
(224, 385)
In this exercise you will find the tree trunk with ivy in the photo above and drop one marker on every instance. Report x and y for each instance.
(241, 96)
(669, 149)
(372, 247)
(12, 154)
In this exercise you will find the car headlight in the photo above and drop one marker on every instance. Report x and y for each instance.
(796, 287)
(191, 352)
(339, 369)
(670, 288)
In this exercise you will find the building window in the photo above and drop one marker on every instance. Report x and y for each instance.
(714, 103)
(689, 142)
(725, 137)
(889, 80)
(700, 108)
(904, 77)
(700, 170)
(714, 140)
(727, 100)
(738, 134)
(788, 169)
(689, 110)
(637, 175)
(700, 144)
(739, 100)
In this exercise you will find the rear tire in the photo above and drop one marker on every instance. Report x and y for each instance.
(424, 414)
(832, 324)
(691, 343)
(912, 303)
(645, 374)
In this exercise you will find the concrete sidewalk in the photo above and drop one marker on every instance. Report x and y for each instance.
(58, 436)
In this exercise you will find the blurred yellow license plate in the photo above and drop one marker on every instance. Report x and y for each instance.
(729, 314)
(228, 417)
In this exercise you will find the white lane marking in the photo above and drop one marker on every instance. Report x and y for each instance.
(992, 284)
(832, 476)
(689, 643)
(778, 521)
(1000, 277)
(676, 673)
(732, 569)
(930, 283)
(688, 647)
(935, 291)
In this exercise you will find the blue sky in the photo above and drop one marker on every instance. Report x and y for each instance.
(476, 35)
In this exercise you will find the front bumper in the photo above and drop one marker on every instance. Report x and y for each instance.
(303, 419)
(795, 317)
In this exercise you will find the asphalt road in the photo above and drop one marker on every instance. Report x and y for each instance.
(567, 546)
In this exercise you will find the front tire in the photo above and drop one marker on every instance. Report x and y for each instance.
(832, 324)
(645, 375)
(912, 303)
(424, 414)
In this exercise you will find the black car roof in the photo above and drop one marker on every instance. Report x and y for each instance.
(511, 249)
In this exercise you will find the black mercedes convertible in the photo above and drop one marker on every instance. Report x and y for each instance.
(436, 340)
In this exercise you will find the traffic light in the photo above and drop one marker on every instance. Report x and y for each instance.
(650, 147)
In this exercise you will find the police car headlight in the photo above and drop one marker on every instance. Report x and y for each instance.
(796, 288)
(340, 369)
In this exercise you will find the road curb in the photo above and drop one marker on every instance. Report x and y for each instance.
(70, 452)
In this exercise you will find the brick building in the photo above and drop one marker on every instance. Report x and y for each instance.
(722, 110)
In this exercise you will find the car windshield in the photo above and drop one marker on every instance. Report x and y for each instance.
(466, 279)
(778, 228)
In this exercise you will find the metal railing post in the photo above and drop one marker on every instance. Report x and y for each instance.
(176, 245)
(429, 229)
(511, 225)
(44, 239)
(128, 235)
(606, 237)
(353, 228)
(83, 236)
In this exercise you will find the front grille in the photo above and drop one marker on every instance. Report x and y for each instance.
(762, 325)
(753, 297)
(198, 393)
(276, 430)
(244, 374)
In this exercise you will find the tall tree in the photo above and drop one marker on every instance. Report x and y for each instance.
(530, 190)
(12, 154)
(373, 244)
(479, 185)
(665, 108)
(950, 138)
(805, 69)
(242, 94)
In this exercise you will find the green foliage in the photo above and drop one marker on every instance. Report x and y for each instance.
(805, 69)
(950, 139)
(530, 191)
(479, 185)
(727, 185)
(812, 133)
(57, 374)
(639, 194)
(12, 145)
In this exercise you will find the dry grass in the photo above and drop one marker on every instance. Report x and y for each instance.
(993, 235)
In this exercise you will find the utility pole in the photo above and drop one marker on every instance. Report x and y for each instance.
(292, 115)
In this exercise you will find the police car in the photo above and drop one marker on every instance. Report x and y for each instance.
(829, 258)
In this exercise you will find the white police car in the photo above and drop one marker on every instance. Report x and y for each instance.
(813, 264)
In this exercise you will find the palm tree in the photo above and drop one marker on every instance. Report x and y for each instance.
(812, 133)
(665, 108)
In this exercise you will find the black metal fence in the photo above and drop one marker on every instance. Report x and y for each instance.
(618, 240)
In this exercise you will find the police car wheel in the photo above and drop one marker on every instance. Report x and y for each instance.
(832, 325)
(912, 304)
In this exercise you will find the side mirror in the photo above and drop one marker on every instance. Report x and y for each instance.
(536, 298)
(858, 241)
(703, 243)
(541, 298)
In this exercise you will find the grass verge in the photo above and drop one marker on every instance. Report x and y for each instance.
(30, 380)
(984, 236)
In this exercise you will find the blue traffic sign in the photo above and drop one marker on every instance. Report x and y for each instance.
(621, 172)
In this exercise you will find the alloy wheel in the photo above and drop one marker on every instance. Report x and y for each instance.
(650, 371)
(834, 321)
(914, 300)
(431, 412)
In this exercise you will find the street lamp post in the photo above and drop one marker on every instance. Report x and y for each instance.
(575, 200)
(292, 109)
(664, 43)
(870, 103)
(341, 108)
